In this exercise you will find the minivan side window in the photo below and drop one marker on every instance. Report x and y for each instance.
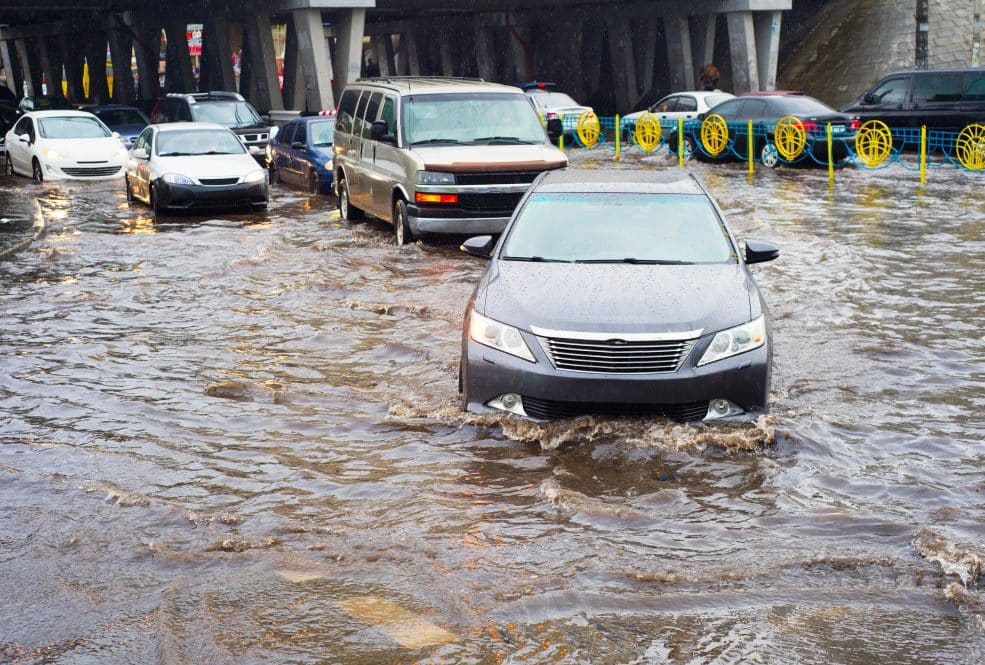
(357, 119)
(974, 87)
(892, 91)
(347, 109)
(389, 115)
(937, 88)
(369, 115)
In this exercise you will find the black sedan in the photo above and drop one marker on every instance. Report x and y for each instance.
(127, 121)
(765, 110)
(617, 292)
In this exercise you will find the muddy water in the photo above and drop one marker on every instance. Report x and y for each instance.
(236, 440)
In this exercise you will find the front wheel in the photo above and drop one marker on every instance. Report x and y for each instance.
(274, 176)
(348, 211)
(36, 173)
(312, 183)
(129, 190)
(688, 145)
(155, 201)
(769, 156)
(401, 226)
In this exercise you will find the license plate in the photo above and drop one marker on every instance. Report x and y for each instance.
(837, 129)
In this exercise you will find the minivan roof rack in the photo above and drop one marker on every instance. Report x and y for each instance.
(409, 79)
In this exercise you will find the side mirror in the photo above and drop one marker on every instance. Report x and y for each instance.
(379, 131)
(481, 246)
(554, 129)
(140, 153)
(760, 251)
(116, 135)
(265, 118)
(297, 145)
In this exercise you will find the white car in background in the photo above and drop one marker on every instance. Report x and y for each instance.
(552, 104)
(668, 110)
(64, 145)
(185, 165)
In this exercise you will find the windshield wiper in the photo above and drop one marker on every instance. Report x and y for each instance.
(502, 139)
(320, 145)
(173, 154)
(436, 141)
(635, 261)
(535, 259)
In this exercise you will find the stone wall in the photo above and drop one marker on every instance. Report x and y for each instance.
(836, 50)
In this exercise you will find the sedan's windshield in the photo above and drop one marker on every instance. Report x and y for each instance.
(618, 228)
(230, 114)
(471, 118)
(552, 100)
(119, 117)
(803, 106)
(321, 133)
(198, 142)
(72, 127)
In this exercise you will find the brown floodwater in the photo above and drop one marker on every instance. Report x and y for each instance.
(236, 439)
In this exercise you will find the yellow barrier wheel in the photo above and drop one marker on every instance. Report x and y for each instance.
(789, 137)
(647, 132)
(873, 143)
(714, 135)
(970, 147)
(588, 129)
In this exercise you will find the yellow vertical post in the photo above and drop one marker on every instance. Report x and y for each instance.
(923, 155)
(618, 136)
(831, 159)
(680, 142)
(560, 139)
(749, 148)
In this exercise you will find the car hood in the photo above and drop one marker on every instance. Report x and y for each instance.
(128, 130)
(206, 166)
(617, 297)
(97, 149)
(490, 158)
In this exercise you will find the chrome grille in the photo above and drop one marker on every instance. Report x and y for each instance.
(218, 181)
(90, 171)
(616, 355)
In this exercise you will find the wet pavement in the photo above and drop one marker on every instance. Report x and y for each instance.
(237, 440)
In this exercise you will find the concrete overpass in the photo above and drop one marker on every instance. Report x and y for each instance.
(618, 53)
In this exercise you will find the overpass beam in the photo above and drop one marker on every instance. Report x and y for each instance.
(30, 69)
(679, 52)
(348, 48)
(623, 62)
(383, 50)
(72, 57)
(484, 56)
(767, 25)
(217, 55)
(51, 64)
(702, 43)
(178, 69)
(742, 45)
(410, 56)
(14, 80)
(96, 57)
(316, 61)
(262, 61)
(120, 48)
(293, 91)
(147, 47)
(447, 58)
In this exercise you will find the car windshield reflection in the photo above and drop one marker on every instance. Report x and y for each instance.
(199, 142)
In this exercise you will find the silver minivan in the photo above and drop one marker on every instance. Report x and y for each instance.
(438, 155)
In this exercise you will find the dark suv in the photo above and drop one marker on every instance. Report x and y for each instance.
(224, 108)
(943, 99)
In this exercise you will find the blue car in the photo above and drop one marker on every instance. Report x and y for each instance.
(127, 121)
(301, 154)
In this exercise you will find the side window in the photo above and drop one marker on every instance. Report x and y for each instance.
(21, 126)
(357, 119)
(389, 115)
(974, 87)
(301, 134)
(143, 141)
(286, 134)
(728, 110)
(347, 109)
(372, 109)
(892, 91)
(937, 88)
(182, 112)
(666, 105)
(752, 109)
(686, 104)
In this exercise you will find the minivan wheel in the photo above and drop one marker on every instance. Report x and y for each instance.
(36, 171)
(401, 227)
(769, 156)
(348, 211)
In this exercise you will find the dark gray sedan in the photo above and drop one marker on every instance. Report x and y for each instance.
(617, 292)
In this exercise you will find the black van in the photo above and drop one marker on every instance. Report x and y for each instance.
(945, 99)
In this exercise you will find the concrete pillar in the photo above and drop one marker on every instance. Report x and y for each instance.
(30, 67)
(14, 81)
(293, 91)
(51, 64)
(316, 63)
(389, 56)
(217, 53)
(485, 58)
(349, 46)
(410, 56)
(72, 57)
(446, 56)
(621, 54)
(679, 53)
(96, 57)
(262, 61)
(646, 33)
(182, 78)
(382, 54)
(591, 61)
(147, 48)
(702, 43)
(120, 48)
(767, 25)
(742, 46)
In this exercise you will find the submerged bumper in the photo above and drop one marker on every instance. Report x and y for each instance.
(455, 221)
(202, 196)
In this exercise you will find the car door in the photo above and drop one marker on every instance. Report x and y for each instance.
(935, 99)
(973, 99)
(388, 168)
(138, 168)
(354, 174)
(280, 155)
(756, 110)
(19, 151)
(888, 101)
(299, 155)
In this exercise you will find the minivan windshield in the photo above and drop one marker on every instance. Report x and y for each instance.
(471, 118)
(230, 114)
(616, 227)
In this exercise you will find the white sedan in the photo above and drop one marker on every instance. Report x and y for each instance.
(184, 165)
(64, 145)
(670, 109)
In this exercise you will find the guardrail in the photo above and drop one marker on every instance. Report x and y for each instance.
(871, 145)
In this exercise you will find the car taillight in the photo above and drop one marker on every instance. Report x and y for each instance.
(424, 197)
(552, 116)
(810, 126)
(855, 124)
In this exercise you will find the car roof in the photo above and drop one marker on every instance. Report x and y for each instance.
(107, 107)
(61, 113)
(408, 85)
(667, 181)
(179, 126)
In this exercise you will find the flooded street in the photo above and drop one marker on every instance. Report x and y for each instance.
(237, 440)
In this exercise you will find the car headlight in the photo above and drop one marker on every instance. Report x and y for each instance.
(53, 154)
(435, 178)
(255, 176)
(734, 341)
(499, 336)
(176, 179)
(328, 165)
(273, 132)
